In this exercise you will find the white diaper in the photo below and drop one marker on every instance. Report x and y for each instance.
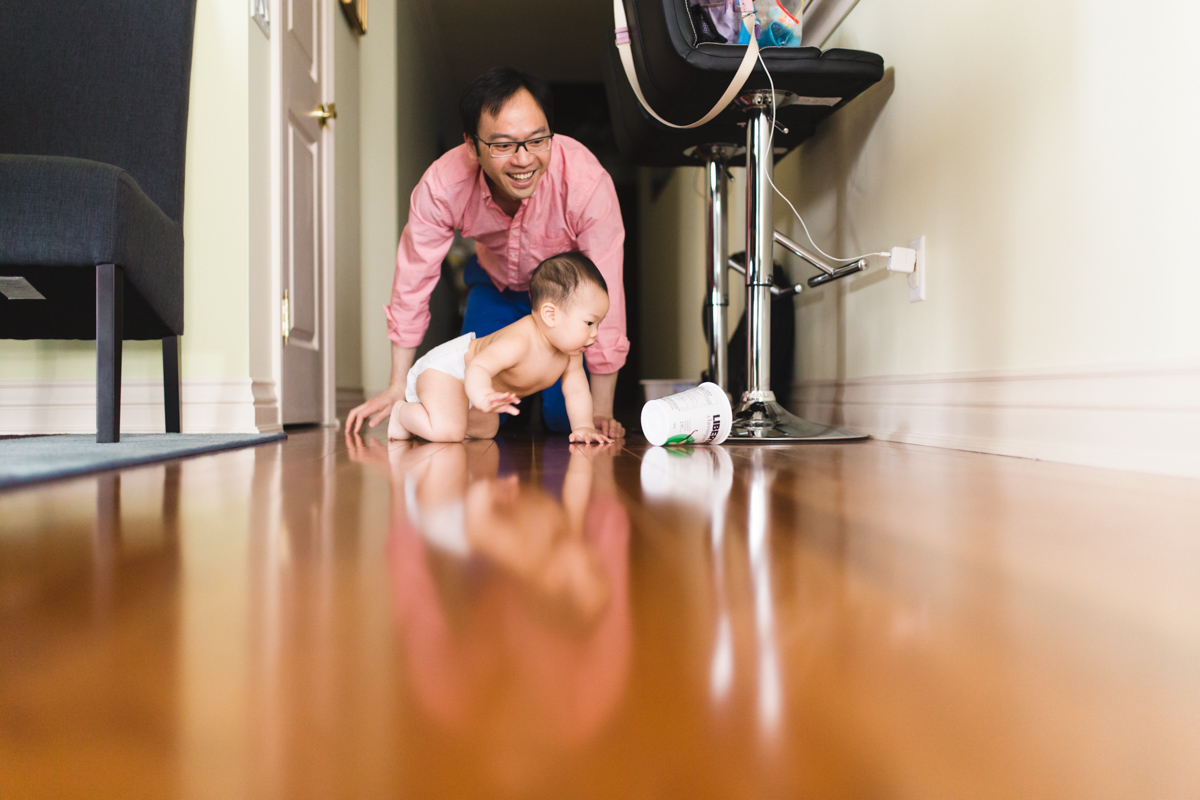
(450, 358)
(444, 527)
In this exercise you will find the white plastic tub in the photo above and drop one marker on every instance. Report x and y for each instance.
(697, 416)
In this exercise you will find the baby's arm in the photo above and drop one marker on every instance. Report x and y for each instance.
(578, 397)
(501, 353)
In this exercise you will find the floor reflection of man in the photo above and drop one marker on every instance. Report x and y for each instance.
(512, 606)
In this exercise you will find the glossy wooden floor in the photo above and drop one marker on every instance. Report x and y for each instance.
(520, 619)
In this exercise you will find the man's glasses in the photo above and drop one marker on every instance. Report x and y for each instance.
(505, 149)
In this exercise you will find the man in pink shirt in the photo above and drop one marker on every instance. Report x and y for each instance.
(523, 194)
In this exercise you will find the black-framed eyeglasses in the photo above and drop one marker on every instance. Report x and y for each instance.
(506, 149)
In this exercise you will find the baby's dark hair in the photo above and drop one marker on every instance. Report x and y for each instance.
(558, 277)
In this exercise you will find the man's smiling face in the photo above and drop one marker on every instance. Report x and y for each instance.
(513, 178)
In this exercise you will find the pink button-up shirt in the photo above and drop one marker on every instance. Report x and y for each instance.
(574, 208)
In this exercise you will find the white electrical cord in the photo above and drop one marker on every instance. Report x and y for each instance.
(771, 155)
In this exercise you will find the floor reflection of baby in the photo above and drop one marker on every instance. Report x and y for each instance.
(516, 626)
(541, 543)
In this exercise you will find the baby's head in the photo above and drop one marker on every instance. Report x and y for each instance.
(569, 298)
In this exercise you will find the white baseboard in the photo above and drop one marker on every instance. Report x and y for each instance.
(267, 411)
(1132, 418)
(209, 406)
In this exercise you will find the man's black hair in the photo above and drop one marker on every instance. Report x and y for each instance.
(491, 90)
(558, 277)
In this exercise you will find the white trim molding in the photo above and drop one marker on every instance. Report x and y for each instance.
(1133, 418)
(60, 406)
(266, 406)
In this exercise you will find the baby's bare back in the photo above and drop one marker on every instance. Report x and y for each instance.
(541, 365)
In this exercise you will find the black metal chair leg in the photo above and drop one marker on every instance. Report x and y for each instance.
(171, 400)
(110, 314)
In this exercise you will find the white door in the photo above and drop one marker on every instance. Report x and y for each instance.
(302, 249)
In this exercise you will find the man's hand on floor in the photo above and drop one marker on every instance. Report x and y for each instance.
(610, 427)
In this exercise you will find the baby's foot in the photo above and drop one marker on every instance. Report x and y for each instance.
(395, 429)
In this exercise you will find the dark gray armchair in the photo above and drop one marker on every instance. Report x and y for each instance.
(93, 123)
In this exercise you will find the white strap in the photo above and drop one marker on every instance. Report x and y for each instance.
(735, 86)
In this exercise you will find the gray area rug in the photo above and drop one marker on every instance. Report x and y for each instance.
(40, 458)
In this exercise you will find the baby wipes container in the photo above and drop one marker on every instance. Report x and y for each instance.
(698, 416)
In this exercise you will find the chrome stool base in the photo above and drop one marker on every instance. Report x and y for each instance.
(759, 419)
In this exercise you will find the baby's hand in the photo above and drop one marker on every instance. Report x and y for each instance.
(503, 402)
(585, 435)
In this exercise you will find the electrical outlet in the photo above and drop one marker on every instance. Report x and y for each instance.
(916, 280)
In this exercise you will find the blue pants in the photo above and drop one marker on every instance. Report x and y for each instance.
(489, 310)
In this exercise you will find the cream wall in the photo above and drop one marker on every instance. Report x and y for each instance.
(263, 275)
(348, 202)
(673, 272)
(1047, 151)
(216, 222)
(380, 197)
(398, 143)
(672, 279)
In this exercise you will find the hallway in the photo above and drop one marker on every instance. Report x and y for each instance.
(520, 618)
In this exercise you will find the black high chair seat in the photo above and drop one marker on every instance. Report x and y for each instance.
(647, 142)
(682, 79)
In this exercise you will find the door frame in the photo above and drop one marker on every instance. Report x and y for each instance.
(328, 212)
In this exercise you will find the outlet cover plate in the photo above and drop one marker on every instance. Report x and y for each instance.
(916, 280)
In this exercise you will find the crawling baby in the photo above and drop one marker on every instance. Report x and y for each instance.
(459, 389)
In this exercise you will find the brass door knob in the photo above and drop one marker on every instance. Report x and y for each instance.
(324, 113)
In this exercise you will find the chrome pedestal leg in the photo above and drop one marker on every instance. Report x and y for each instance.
(716, 257)
(759, 417)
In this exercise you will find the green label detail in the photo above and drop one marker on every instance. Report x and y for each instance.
(683, 438)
